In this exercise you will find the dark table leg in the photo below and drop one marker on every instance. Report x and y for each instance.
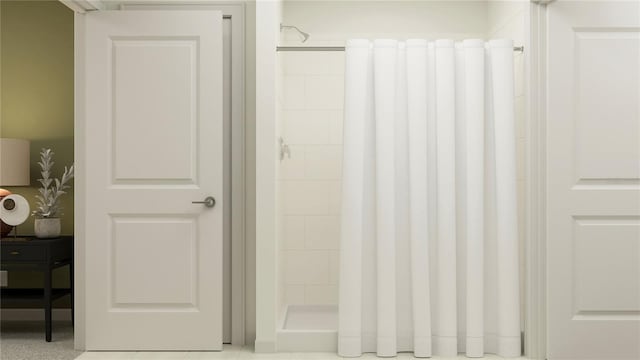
(47, 302)
(71, 287)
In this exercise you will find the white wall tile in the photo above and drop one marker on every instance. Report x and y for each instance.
(322, 232)
(306, 267)
(292, 168)
(318, 130)
(334, 266)
(323, 162)
(335, 197)
(294, 267)
(505, 18)
(518, 68)
(335, 62)
(313, 63)
(293, 92)
(304, 127)
(332, 22)
(279, 121)
(279, 85)
(521, 184)
(321, 294)
(520, 117)
(324, 92)
(294, 294)
(297, 62)
(305, 197)
(293, 232)
(335, 118)
(521, 158)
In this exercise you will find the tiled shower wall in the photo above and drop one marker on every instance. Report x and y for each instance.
(310, 121)
(309, 181)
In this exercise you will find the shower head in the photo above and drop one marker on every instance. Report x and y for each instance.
(305, 36)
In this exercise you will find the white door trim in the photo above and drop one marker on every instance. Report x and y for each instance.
(535, 298)
(237, 13)
(267, 32)
(82, 6)
(80, 191)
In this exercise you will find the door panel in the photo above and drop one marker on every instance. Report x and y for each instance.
(154, 83)
(154, 145)
(607, 59)
(164, 285)
(593, 178)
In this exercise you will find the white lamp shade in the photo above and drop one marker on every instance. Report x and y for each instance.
(14, 162)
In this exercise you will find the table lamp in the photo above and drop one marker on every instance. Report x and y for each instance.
(14, 171)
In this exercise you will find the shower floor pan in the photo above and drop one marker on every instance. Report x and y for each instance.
(309, 328)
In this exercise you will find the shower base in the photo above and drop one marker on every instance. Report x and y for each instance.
(309, 328)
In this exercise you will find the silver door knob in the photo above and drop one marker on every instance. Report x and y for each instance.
(209, 202)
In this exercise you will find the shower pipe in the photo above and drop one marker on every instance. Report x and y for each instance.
(341, 48)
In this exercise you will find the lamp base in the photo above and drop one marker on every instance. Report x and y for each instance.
(5, 229)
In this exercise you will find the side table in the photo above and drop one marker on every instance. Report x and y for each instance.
(28, 254)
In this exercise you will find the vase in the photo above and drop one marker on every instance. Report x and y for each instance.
(45, 228)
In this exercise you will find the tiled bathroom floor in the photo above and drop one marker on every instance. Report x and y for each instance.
(235, 352)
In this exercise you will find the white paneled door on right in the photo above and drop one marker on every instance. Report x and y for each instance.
(593, 177)
(153, 146)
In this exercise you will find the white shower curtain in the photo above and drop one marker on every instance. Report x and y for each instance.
(429, 240)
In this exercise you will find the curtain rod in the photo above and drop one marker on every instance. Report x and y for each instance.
(341, 48)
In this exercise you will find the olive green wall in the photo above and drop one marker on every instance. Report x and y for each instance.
(36, 55)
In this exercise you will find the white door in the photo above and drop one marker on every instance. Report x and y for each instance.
(593, 173)
(153, 146)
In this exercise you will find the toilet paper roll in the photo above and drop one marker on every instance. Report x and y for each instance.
(14, 209)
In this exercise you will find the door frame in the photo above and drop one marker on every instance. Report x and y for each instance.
(536, 152)
(236, 12)
(536, 331)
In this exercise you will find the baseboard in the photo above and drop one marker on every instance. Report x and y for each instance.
(262, 346)
(34, 314)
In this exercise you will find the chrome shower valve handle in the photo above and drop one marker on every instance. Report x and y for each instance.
(284, 149)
